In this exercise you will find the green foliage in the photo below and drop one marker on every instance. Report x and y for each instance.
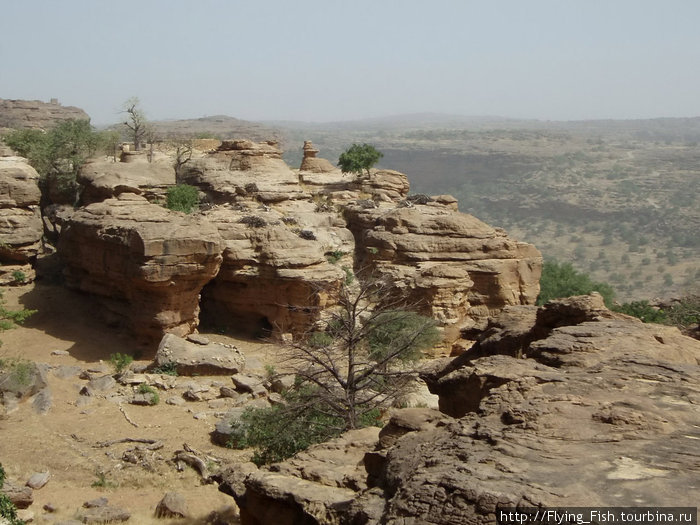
(685, 312)
(10, 318)
(404, 334)
(270, 371)
(19, 276)
(642, 310)
(562, 280)
(63, 149)
(183, 197)
(359, 158)
(334, 256)
(168, 369)
(20, 370)
(7, 508)
(102, 482)
(146, 389)
(120, 362)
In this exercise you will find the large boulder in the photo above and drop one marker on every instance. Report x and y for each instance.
(146, 263)
(194, 359)
(20, 217)
(601, 412)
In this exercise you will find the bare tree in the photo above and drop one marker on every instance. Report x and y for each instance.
(136, 121)
(357, 364)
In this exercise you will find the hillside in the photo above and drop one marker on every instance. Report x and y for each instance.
(616, 198)
(20, 114)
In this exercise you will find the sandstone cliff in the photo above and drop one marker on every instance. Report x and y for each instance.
(602, 411)
(21, 114)
(285, 240)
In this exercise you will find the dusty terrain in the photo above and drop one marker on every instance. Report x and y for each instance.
(65, 441)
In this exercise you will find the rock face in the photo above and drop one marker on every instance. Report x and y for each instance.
(20, 218)
(287, 242)
(21, 114)
(146, 263)
(602, 411)
(459, 268)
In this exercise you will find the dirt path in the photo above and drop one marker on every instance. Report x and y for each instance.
(65, 441)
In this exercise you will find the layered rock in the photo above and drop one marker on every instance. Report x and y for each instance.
(20, 217)
(459, 269)
(602, 412)
(20, 114)
(273, 277)
(146, 263)
(242, 168)
(104, 179)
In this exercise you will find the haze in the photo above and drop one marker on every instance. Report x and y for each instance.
(332, 60)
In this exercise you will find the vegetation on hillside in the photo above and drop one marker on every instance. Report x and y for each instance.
(358, 159)
(183, 197)
(562, 280)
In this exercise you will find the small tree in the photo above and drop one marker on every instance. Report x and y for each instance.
(183, 197)
(359, 158)
(135, 122)
(353, 367)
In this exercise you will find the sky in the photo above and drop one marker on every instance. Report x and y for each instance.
(336, 60)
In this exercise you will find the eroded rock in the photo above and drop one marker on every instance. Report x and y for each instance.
(190, 358)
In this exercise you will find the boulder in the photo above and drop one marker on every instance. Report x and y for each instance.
(21, 226)
(38, 480)
(173, 505)
(20, 496)
(104, 179)
(313, 164)
(147, 264)
(104, 514)
(196, 359)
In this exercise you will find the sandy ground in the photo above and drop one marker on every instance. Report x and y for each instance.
(65, 441)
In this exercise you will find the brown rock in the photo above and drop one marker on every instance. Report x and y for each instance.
(21, 227)
(191, 358)
(312, 163)
(147, 264)
(20, 114)
(173, 505)
(20, 496)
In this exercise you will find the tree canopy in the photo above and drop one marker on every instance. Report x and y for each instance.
(359, 158)
(563, 280)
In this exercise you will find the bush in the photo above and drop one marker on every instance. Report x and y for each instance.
(183, 197)
(146, 389)
(642, 310)
(120, 362)
(562, 280)
(402, 329)
(19, 276)
(168, 369)
(8, 511)
(10, 318)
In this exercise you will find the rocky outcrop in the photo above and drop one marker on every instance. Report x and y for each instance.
(188, 358)
(602, 411)
(288, 241)
(272, 279)
(459, 269)
(242, 168)
(21, 114)
(20, 218)
(104, 179)
(312, 163)
(146, 263)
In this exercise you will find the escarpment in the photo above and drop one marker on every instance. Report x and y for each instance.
(270, 245)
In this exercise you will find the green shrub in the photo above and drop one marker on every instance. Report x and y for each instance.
(120, 362)
(10, 318)
(562, 280)
(642, 310)
(146, 389)
(19, 276)
(8, 511)
(401, 329)
(183, 197)
(168, 369)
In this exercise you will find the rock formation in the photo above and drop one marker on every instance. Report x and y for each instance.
(602, 411)
(286, 242)
(21, 114)
(312, 163)
(146, 263)
(20, 219)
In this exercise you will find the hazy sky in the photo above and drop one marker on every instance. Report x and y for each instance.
(339, 60)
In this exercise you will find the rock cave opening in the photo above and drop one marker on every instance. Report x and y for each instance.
(222, 317)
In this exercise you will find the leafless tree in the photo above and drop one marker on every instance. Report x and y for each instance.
(357, 364)
(136, 121)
